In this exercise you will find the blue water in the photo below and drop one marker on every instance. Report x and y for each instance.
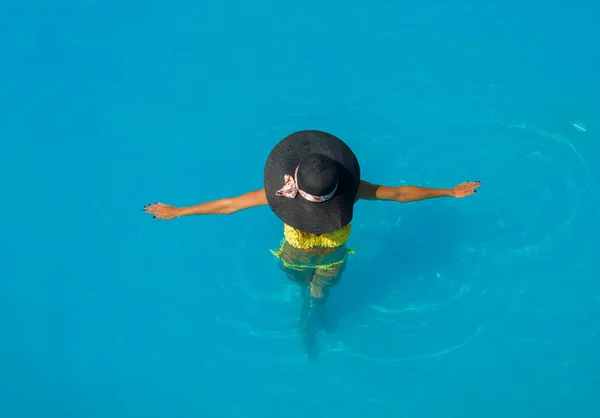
(487, 306)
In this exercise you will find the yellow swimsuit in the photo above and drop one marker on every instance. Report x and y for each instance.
(305, 241)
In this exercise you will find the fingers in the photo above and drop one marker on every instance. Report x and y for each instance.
(159, 210)
(471, 186)
(154, 208)
(151, 208)
(467, 188)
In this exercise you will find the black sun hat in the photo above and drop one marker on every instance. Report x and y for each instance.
(311, 181)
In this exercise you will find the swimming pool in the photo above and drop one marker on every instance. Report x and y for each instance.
(449, 308)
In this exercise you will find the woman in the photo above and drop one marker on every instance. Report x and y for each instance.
(311, 182)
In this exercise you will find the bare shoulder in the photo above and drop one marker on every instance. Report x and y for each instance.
(370, 191)
(366, 191)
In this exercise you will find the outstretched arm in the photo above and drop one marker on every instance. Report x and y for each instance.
(404, 194)
(225, 206)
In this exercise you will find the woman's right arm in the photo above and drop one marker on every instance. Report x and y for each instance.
(225, 206)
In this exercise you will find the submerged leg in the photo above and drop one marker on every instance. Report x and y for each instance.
(302, 277)
(320, 289)
(315, 313)
(315, 285)
(305, 310)
(312, 313)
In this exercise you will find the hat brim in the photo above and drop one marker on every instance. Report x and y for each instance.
(310, 217)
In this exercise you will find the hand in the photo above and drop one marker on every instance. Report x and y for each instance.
(162, 211)
(465, 189)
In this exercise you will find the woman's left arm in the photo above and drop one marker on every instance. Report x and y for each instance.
(405, 194)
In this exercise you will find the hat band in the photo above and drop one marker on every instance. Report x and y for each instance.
(291, 189)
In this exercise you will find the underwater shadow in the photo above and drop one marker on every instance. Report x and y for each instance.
(420, 247)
